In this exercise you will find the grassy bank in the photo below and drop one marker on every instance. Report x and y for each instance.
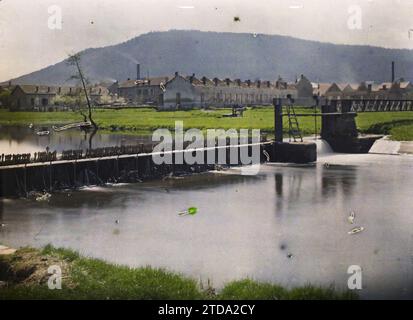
(25, 275)
(397, 124)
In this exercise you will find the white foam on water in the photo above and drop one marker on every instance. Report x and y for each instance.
(323, 148)
(385, 146)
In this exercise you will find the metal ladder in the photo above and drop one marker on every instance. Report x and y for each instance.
(293, 126)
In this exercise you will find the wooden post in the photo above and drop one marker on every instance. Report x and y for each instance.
(137, 167)
(50, 177)
(278, 120)
(25, 180)
(324, 121)
(74, 174)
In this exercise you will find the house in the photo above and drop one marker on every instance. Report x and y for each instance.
(366, 90)
(304, 88)
(41, 98)
(320, 89)
(192, 92)
(334, 91)
(141, 91)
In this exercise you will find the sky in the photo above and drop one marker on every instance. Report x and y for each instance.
(31, 36)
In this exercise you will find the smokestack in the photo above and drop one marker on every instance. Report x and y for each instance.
(392, 72)
(138, 71)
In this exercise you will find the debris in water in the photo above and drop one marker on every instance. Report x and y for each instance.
(31, 126)
(2, 225)
(289, 255)
(171, 176)
(356, 230)
(326, 165)
(237, 19)
(44, 197)
(283, 246)
(43, 132)
(117, 221)
(266, 155)
(351, 217)
(191, 211)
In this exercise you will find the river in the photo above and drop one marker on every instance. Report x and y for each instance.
(287, 225)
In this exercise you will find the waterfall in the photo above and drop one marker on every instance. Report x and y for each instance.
(323, 148)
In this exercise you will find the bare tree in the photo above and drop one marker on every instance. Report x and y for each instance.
(74, 60)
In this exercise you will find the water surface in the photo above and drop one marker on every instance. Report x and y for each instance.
(287, 225)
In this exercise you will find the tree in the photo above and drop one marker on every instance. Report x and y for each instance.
(65, 100)
(74, 60)
(5, 97)
(106, 99)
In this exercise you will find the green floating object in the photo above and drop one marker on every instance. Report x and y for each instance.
(192, 211)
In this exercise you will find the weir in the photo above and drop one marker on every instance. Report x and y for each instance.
(59, 174)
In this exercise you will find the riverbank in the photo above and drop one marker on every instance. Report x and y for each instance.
(23, 275)
(399, 125)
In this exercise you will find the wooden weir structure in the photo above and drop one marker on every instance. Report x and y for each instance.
(74, 169)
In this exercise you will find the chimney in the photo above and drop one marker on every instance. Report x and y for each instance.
(216, 81)
(176, 74)
(191, 78)
(48, 89)
(259, 83)
(138, 71)
(249, 83)
(392, 72)
(268, 84)
(369, 87)
(227, 80)
(59, 90)
(239, 82)
(204, 80)
(37, 89)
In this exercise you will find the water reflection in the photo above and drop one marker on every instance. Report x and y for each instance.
(18, 139)
(287, 225)
(338, 179)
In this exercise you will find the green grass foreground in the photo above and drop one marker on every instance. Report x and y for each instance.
(143, 121)
(25, 274)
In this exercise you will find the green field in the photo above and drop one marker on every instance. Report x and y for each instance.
(143, 121)
(25, 273)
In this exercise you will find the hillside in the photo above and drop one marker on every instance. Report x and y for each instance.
(244, 56)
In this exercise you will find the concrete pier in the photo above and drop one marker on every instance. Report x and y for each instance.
(294, 152)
